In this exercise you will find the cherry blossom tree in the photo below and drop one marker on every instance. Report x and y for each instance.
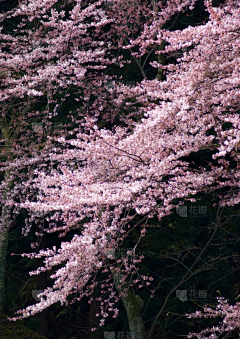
(103, 180)
(52, 56)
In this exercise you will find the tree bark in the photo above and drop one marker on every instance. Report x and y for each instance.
(133, 305)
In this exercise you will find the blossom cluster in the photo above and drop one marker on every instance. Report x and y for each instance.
(144, 171)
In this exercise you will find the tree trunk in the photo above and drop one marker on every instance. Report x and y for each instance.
(133, 305)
